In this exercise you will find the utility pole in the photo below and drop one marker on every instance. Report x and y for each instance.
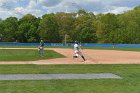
(65, 38)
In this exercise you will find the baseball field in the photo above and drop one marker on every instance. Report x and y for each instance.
(64, 56)
(59, 61)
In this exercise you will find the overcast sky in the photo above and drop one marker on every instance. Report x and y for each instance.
(19, 8)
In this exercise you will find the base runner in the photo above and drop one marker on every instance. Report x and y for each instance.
(77, 51)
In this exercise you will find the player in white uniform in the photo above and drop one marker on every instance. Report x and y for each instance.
(77, 51)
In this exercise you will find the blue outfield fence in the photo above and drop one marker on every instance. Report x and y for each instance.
(70, 44)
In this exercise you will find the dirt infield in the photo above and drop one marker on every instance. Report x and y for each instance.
(92, 57)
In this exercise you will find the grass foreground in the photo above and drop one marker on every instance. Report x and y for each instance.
(129, 84)
(96, 48)
(26, 55)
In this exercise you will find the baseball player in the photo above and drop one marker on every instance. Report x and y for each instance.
(41, 48)
(77, 51)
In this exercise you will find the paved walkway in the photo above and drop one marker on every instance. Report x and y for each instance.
(57, 76)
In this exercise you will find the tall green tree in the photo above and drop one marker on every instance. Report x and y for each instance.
(106, 25)
(10, 28)
(23, 32)
(129, 26)
(28, 29)
(66, 25)
(1, 30)
(84, 29)
(48, 29)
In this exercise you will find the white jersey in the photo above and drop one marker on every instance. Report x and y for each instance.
(77, 51)
(76, 47)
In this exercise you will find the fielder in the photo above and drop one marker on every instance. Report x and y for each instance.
(77, 51)
(41, 48)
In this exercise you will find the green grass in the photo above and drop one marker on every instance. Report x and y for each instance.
(26, 55)
(18, 46)
(35, 47)
(129, 84)
(96, 48)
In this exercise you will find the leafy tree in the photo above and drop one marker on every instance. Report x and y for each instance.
(84, 29)
(10, 27)
(130, 25)
(65, 22)
(106, 25)
(48, 29)
(1, 30)
(83, 26)
(23, 32)
(28, 29)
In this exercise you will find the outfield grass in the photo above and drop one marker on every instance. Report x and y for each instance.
(129, 84)
(26, 55)
(96, 48)
(35, 47)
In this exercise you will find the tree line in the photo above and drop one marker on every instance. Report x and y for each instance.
(67, 27)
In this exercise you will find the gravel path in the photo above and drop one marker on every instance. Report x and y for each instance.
(57, 76)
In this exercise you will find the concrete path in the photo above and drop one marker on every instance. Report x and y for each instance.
(57, 76)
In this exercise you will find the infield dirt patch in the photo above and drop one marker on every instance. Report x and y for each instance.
(92, 57)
